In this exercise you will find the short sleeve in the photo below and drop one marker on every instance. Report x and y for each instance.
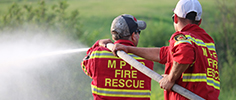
(163, 54)
(183, 53)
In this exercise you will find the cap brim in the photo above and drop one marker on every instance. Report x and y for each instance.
(141, 24)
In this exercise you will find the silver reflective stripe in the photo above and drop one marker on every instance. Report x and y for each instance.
(121, 92)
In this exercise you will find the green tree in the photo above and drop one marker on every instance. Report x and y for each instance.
(42, 17)
(226, 48)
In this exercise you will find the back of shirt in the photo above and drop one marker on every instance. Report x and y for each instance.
(114, 79)
(192, 45)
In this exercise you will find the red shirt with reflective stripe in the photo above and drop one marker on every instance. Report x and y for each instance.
(113, 78)
(198, 50)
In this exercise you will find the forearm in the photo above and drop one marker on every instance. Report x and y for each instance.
(176, 71)
(147, 53)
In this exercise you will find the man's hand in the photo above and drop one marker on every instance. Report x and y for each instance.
(168, 81)
(103, 42)
(165, 82)
(118, 47)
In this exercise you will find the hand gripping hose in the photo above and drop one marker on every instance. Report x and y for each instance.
(153, 75)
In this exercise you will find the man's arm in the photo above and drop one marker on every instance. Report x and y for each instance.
(168, 81)
(177, 70)
(147, 53)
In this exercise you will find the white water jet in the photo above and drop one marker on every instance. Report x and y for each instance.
(38, 66)
(26, 59)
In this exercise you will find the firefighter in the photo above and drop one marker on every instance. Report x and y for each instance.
(113, 78)
(190, 59)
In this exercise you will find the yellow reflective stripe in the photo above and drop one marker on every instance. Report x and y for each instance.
(107, 54)
(85, 70)
(200, 77)
(214, 83)
(210, 46)
(182, 41)
(102, 54)
(121, 92)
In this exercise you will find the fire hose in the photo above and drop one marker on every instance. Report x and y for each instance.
(153, 75)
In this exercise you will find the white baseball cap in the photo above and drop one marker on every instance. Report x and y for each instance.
(184, 7)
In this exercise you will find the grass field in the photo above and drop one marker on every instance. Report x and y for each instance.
(97, 15)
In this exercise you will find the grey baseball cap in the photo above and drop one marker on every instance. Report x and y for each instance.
(125, 25)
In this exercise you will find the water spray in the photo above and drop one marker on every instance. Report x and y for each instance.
(41, 56)
(38, 65)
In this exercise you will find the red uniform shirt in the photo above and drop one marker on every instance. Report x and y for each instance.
(113, 78)
(192, 45)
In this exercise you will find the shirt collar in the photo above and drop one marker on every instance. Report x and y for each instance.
(189, 27)
(125, 42)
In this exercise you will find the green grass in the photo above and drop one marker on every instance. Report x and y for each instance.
(228, 94)
(97, 15)
(157, 93)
